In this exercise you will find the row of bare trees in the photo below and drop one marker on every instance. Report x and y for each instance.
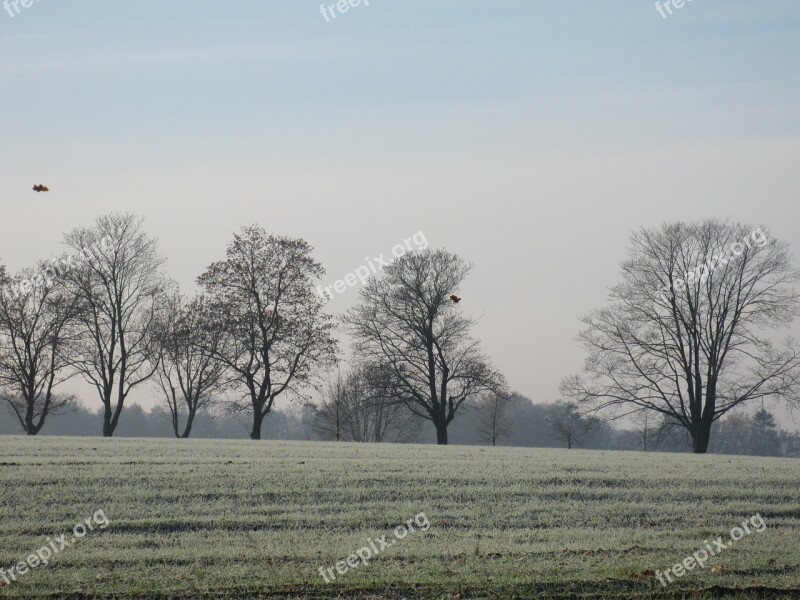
(91, 316)
(255, 331)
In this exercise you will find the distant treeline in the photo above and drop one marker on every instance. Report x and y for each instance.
(531, 426)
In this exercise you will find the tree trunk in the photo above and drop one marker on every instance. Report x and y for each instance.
(700, 438)
(188, 429)
(258, 420)
(108, 428)
(701, 428)
(111, 418)
(441, 434)
(30, 428)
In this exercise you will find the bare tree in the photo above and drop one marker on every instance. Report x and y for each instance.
(359, 405)
(566, 423)
(374, 413)
(36, 324)
(186, 370)
(385, 420)
(686, 334)
(274, 336)
(408, 321)
(120, 282)
(355, 408)
(654, 428)
(494, 419)
(329, 417)
(647, 425)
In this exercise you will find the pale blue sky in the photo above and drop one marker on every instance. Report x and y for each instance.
(531, 137)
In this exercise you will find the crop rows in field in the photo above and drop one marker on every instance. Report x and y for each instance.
(197, 518)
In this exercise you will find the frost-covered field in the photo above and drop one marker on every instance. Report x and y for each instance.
(224, 519)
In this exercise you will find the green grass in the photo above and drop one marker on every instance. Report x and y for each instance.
(222, 519)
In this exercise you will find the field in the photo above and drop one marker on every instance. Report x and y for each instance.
(221, 519)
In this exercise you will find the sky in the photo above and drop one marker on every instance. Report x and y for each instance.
(529, 137)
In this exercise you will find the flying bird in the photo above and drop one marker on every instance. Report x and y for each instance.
(41, 188)
(455, 299)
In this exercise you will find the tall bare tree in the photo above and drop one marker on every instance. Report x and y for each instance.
(187, 371)
(121, 284)
(494, 418)
(36, 325)
(408, 321)
(274, 336)
(687, 333)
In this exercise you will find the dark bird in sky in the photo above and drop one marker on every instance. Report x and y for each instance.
(41, 188)
(455, 299)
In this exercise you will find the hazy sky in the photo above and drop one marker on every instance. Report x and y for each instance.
(530, 137)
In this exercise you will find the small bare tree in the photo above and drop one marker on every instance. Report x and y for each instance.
(37, 321)
(187, 372)
(374, 413)
(654, 429)
(356, 408)
(566, 423)
(494, 419)
(121, 285)
(274, 336)
(359, 404)
(409, 321)
(329, 417)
